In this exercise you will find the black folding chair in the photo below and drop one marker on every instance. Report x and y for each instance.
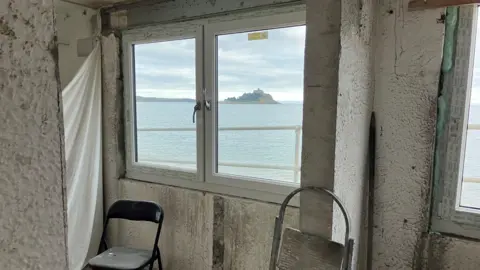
(124, 258)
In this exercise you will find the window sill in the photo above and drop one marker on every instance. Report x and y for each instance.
(451, 227)
(268, 197)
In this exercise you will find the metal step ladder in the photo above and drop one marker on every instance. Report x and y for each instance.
(296, 250)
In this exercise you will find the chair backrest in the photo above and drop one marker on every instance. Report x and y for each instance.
(136, 211)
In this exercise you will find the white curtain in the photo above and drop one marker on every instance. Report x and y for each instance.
(82, 112)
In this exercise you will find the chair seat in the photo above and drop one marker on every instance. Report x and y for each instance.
(121, 258)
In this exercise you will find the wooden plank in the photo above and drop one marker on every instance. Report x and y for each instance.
(431, 4)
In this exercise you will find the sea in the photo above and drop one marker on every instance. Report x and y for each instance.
(263, 135)
(254, 140)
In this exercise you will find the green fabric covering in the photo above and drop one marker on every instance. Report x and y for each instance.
(449, 43)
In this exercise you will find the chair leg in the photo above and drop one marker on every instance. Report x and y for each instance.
(159, 258)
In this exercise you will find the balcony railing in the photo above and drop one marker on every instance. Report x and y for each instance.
(296, 166)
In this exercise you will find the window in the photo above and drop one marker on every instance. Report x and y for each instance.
(217, 104)
(457, 160)
(164, 93)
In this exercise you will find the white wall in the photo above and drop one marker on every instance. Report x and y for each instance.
(73, 22)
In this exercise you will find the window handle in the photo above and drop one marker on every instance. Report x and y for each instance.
(207, 102)
(198, 107)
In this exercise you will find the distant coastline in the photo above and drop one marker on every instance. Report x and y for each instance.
(256, 97)
(155, 99)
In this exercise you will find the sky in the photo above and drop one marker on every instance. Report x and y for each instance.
(275, 65)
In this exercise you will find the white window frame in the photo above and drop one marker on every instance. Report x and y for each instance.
(233, 27)
(204, 179)
(448, 216)
(176, 32)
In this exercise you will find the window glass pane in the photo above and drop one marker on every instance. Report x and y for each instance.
(470, 194)
(260, 103)
(165, 97)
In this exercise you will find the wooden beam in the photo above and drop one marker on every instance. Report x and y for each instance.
(430, 4)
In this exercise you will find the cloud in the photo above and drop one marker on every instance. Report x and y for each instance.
(274, 65)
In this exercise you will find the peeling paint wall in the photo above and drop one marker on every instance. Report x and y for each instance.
(33, 217)
(407, 65)
(73, 22)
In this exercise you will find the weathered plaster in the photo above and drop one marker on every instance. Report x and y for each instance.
(447, 253)
(112, 122)
(186, 237)
(33, 217)
(407, 65)
(70, 16)
(189, 9)
(319, 113)
(204, 230)
(248, 232)
(355, 102)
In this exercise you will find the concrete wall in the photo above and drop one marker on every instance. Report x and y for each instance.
(203, 230)
(338, 102)
(355, 104)
(33, 217)
(73, 22)
(408, 57)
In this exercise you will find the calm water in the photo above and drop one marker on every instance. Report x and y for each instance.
(259, 147)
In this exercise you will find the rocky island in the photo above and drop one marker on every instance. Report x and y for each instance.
(256, 97)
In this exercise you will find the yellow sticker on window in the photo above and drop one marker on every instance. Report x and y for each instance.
(258, 35)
